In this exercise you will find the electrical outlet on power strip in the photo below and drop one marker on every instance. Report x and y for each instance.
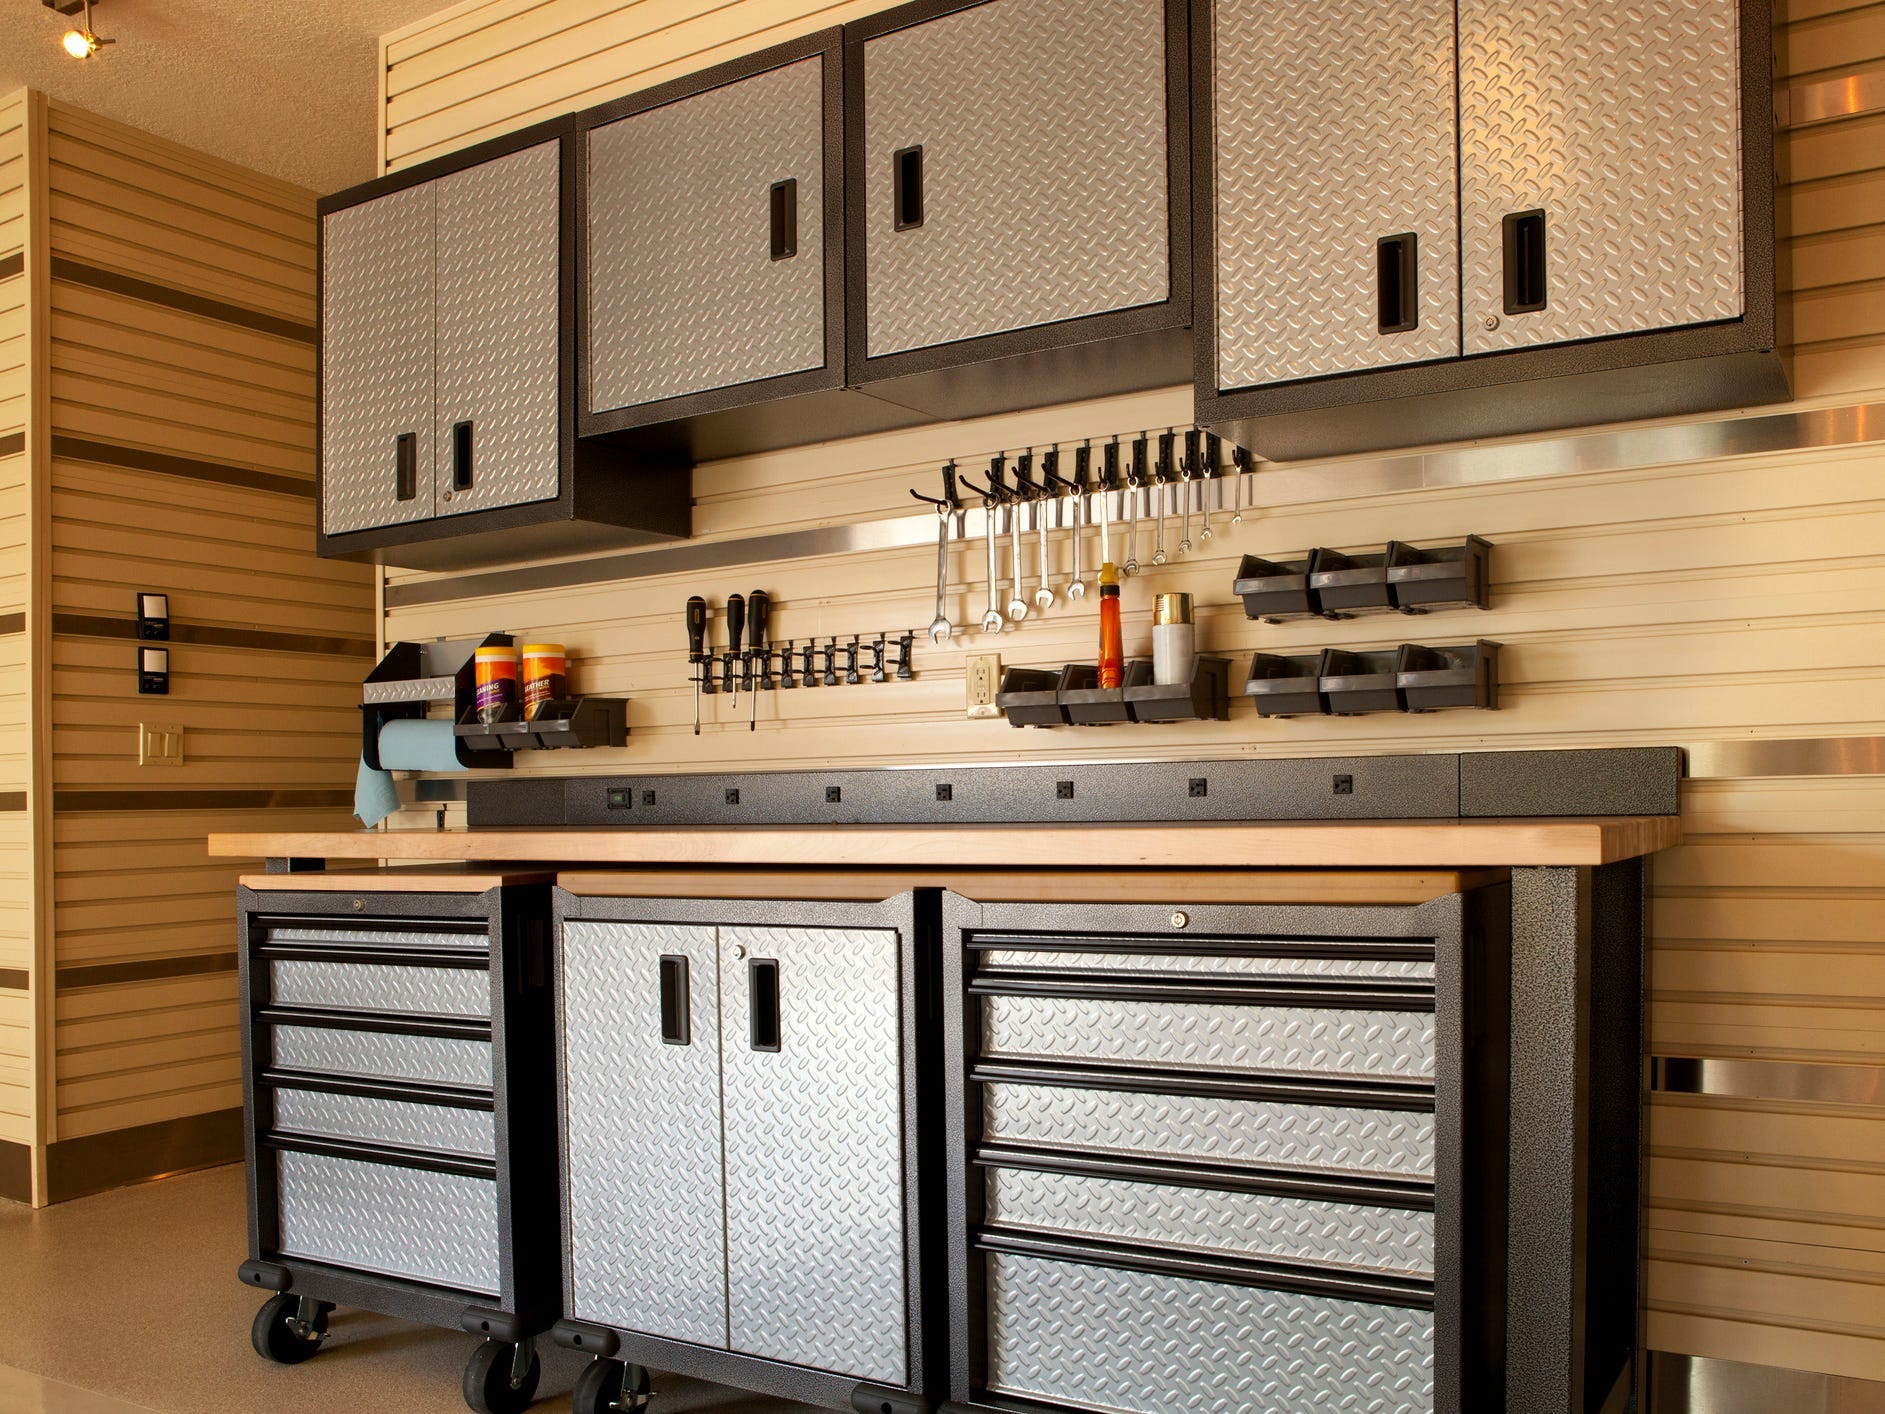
(159, 744)
(981, 677)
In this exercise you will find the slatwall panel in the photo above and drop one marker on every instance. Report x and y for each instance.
(133, 888)
(16, 847)
(1715, 601)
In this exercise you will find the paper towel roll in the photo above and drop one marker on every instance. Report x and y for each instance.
(405, 745)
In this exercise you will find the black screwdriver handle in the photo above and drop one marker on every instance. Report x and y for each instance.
(696, 628)
(759, 611)
(736, 626)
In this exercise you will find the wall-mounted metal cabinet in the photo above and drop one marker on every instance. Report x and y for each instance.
(447, 420)
(1607, 236)
(740, 1139)
(1019, 201)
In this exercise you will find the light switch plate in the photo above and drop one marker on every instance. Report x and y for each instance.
(159, 744)
(981, 678)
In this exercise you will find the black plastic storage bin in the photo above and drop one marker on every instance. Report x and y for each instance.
(1205, 698)
(1273, 590)
(1031, 697)
(1463, 676)
(1445, 575)
(396, 1056)
(1353, 683)
(1286, 685)
(1090, 705)
(576, 721)
(1348, 584)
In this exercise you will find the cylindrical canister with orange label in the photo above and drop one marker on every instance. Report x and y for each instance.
(546, 676)
(496, 670)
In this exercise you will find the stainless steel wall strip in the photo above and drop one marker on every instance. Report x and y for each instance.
(1688, 1384)
(1769, 1080)
(1830, 99)
(1794, 756)
(1276, 485)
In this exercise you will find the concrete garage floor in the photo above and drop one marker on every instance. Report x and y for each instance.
(127, 1302)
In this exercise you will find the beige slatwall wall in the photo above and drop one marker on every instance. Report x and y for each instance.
(16, 844)
(1718, 601)
(134, 885)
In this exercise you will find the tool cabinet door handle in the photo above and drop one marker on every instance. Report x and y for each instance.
(406, 466)
(762, 986)
(461, 455)
(784, 200)
(676, 1025)
(1525, 261)
(1397, 283)
(906, 180)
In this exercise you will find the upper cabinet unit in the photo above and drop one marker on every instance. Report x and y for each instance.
(712, 308)
(1018, 208)
(1378, 266)
(447, 427)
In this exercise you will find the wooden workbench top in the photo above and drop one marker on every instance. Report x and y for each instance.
(1395, 844)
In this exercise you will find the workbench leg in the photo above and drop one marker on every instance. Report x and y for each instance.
(1576, 1114)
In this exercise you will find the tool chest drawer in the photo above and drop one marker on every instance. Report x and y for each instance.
(376, 1119)
(381, 987)
(428, 1226)
(382, 1055)
(1140, 1343)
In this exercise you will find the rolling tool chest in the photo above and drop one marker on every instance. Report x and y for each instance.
(395, 1051)
(1227, 1157)
(741, 1085)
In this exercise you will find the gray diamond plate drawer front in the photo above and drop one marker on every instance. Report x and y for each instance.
(376, 359)
(431, 1227)
(450, 1060)
(499, 274)
(814, 1151)
(1132, 1343)
(377, 937)
(1213, 1221)
(684, 292)
(646, 1207)
(1256, 1133)
(1384, 1044)
(1212, 965)
(1621, 121)
(1335, 129)
(1043, 169)
(446, 1129)
(381, 987)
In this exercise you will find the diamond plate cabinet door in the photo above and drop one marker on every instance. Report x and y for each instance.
(376, 362)
(1337, 230)
(1600, 168)
(706, 241)
(646, 1224)
(498, 281)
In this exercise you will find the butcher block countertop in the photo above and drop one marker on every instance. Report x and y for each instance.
(1394, 844)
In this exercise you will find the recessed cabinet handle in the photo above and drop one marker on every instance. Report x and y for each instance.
(676, 1030)
(406, 466)
(1397, 283)
(762, 984)
(461, 455)
(1525, 262)
(785, 219)
(906, 180)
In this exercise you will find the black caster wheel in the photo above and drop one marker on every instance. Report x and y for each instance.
(278, 1335)
(607, 1387)
(493, 1383)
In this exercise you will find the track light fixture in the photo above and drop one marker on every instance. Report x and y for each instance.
(84, 41)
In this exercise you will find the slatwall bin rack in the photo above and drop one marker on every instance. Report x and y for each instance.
(1332, 585)
(1466, 675)
(1286, 685)
(577, 721)
(1046, 697)
(414, 676)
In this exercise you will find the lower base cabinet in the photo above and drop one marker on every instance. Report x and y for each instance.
(746, 1179)
(396, 1047)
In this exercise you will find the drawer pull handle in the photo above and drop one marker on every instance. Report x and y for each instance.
(762, 981)
(906, 168)
(784, 200)
(1525, 262)
(676, 1029)
(406, 466)
(461, 455)
(1397, 283)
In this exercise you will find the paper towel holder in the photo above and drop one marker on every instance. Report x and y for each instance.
(413, 676)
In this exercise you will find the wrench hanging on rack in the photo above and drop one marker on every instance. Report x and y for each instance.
(1082, 472)
(1136, 478)
(1162, 476)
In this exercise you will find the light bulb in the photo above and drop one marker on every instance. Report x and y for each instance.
(80, 43)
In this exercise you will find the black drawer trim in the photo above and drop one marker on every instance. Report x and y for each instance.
(398, 1023)
(367, 923)
(1358, 1094)
(1255, 946)
(418, 1092)
(1265, 1274)
(1414, 1195)
(1340, 993)
(388, 1155)
(464, 958)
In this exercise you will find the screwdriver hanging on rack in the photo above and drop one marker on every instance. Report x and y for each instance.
(760, 605)
(697, 651)
(736, 625)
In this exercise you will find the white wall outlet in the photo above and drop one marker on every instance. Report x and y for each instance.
(982, 678)
(159, 744)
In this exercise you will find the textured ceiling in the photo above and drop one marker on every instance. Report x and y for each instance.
(288, 87)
